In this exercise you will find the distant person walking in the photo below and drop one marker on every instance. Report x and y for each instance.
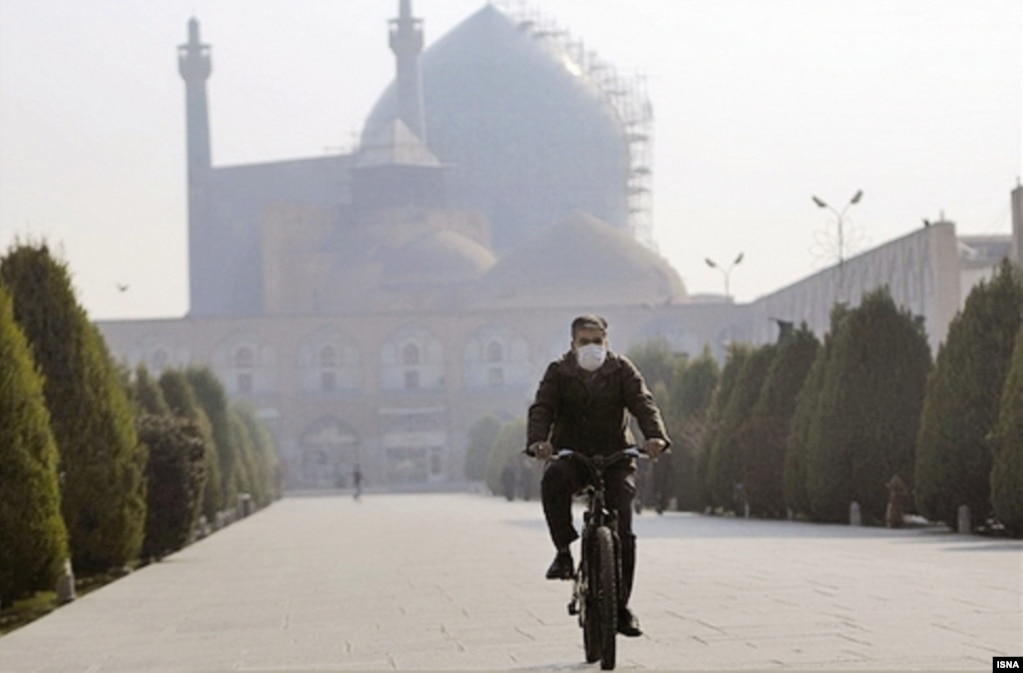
(357, 480)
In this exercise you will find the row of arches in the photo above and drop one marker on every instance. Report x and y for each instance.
(331, 361)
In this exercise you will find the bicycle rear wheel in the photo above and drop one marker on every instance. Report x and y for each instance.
(607, 595)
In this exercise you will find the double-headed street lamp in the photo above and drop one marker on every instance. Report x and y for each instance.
(726, 272)
(840, 217)
(841, 221)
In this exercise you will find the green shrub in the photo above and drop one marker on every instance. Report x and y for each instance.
(481, 438)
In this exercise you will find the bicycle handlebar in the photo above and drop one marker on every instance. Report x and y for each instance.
(632, 451)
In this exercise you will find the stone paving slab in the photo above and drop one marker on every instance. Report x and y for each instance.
(454, 582)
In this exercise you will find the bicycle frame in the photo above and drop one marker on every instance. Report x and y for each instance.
(597, 514)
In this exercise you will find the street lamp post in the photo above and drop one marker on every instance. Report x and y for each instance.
(726, 272)
(840, 218)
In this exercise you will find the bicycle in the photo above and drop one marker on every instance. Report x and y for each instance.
(597, 590)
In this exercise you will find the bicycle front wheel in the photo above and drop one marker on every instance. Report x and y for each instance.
(607, 595)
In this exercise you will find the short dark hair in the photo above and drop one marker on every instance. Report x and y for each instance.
(588, 321)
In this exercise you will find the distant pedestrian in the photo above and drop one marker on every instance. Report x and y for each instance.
(357, 480)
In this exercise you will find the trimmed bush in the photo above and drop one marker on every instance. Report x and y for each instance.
(102, 462)
(707, 468)
(34, 537)
(964, 392)
(507, 451)
(264, 453)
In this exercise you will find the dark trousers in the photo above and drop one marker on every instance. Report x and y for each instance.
(562, 479)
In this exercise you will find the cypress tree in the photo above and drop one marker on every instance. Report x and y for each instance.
(708, 467)
(807, 402)
(692, 389)
(656, 361)
(1007, 472)
(145, 393)
(264, 453)
(181, 400)
(869, 412)
(481, 437)
(954, 452)
(248, 477)
(725, 466)
(101, 460)
(34, 537)
(766, 436)
(506, 452)
(209, 392)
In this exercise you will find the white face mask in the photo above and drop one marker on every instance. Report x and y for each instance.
(591, 356)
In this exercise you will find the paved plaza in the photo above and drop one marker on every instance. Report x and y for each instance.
(455, 582)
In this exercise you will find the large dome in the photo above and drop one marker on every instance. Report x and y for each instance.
(581, 261)
(530, 139)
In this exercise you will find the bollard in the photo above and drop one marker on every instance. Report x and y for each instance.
(244, 505)
(745, 509)
(854, 514)
(964, 519)
(66, 584)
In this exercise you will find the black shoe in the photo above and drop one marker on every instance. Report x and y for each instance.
(562, 568)
(628, 625)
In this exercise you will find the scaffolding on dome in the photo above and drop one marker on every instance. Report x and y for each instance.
(626, 93)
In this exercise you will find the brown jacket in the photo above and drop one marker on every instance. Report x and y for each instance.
(586, 412)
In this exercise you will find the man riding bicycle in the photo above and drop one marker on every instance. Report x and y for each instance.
(581, 405)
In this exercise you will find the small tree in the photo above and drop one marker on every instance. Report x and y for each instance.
(964, 391)
(869, 410)
(101, 460)
(481, 438)
(34, 537)
(1007, 472)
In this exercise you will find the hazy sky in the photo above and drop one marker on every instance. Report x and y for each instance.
(759, 104)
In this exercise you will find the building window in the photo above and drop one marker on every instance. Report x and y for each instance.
(328, 381)
(494, 352)
(244, 358)
(245, 383)
(410, 355)
(495, 376)
(328, 357)
(436, 461)
(411, 379)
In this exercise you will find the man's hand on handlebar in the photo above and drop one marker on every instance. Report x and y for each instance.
(654, 447)
(541, 450)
